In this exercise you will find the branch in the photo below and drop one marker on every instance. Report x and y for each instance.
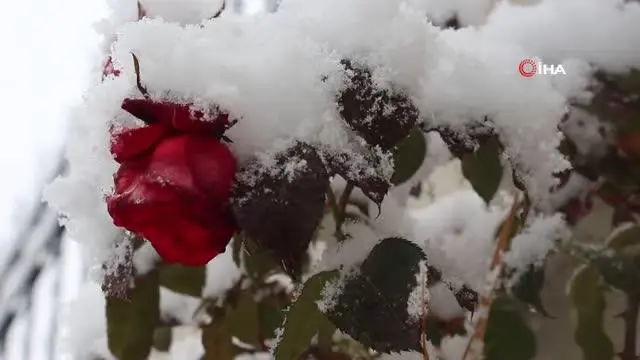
(475, 347)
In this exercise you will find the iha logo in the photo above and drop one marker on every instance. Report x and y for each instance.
(529, 67)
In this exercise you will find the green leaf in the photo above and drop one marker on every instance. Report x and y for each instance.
(528, 288)
(271, 315)
(587, 297)
(244, 319)
(131, 323)
(162, 338)
(508, 337)
(617, 270)
(325, 335)
(372, 307)
(216, 338)
(303, 320)
(186, 280)
(629, 236)
(483, 169)
(409, 156)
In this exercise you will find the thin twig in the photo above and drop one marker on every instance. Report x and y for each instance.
(475, 347)
(630, 318)
(423, 317)
(338, 208)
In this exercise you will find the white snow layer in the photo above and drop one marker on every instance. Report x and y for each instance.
(458, 234)
(267, 69)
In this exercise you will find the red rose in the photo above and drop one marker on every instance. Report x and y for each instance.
(174, 181)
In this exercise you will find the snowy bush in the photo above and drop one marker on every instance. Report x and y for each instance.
(242, 182)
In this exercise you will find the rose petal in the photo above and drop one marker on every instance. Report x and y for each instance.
(182, 228)
(212, 166)
(168, 164)
(187, 242)
(129, 173)
(133, 142)
(142, 202)
(177, 116)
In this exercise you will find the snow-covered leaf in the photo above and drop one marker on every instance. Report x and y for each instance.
(372, 307)
(381, 116)
(367, 177)
(280, 205)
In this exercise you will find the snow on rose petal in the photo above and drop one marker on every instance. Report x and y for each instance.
(180, 117)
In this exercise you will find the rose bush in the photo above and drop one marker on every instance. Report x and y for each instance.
(174, 181)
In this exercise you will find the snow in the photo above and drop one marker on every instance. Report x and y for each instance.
(531, 246)
(591, 137)
(443, 303)
(420, 296)
(468, 12)
(83, 336)
(457, 233)
(222, 274)
(34, 104)
(187, 344)
(45, 72)
(404, 355)
(145, 258)
(189, 11)
(179, 307)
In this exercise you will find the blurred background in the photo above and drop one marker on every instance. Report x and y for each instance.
(50, 49)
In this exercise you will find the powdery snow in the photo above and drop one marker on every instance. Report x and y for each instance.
(539, 237)
(457, 232)
(222, 274)
(180, 308)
